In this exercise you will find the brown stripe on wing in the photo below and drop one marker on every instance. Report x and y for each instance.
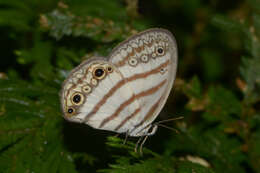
(128, 118)
(120, 84)
(130, 100)
(150, 112)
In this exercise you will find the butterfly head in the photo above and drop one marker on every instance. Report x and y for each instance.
(80, 84)
(148, 130)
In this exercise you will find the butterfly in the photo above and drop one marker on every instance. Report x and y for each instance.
(125, 91)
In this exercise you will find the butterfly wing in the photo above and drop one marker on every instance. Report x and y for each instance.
(93, 92)
(127, 92)
(148, 63)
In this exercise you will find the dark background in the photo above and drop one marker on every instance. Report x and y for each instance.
(216, 90)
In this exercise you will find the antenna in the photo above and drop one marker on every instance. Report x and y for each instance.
(160, 123)
(171, 119)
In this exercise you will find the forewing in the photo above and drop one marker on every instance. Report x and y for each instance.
(148, 63)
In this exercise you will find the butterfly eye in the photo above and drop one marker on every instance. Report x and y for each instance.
(160, 51)
(86, 89)
(77, 98)
(99, 73)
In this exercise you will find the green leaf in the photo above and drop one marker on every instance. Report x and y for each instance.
(226, 23)
(223, 105)
(209, 143)
(30, 130)
(193, 88)
(65, 22)
(254, 151)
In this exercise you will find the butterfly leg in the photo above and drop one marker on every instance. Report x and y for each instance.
(116, 135)
(126, 136)
(141, 146)
(137, 143)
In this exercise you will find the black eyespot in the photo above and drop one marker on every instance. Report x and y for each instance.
(70, 110)
(109, 69)
(99, 72)
(76, 98)
(160, 50)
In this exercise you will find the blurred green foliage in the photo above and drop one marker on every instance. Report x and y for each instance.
(216, 90)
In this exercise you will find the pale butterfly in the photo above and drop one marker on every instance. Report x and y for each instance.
(126, 91)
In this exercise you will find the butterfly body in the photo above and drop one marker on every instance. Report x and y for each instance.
(125, 92)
